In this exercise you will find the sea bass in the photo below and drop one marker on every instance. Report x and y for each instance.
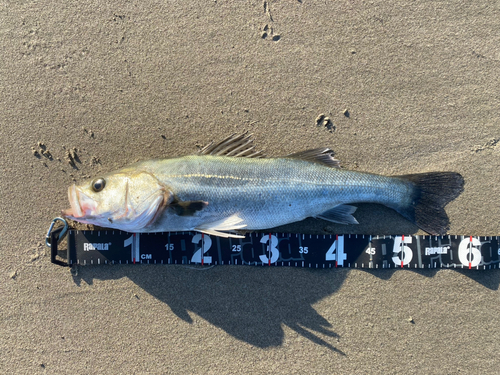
(229, 186)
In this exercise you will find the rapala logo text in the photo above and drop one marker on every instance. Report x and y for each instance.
(437, 250)
(96, 246)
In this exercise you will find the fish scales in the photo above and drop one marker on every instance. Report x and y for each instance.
(267, 192)
(229, 186)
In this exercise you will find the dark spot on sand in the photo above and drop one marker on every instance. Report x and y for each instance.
(319, 119)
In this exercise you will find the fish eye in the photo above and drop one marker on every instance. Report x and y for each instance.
(98, 184)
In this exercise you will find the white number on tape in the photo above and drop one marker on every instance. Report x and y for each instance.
(207, 243)
(275, 254)
(407, 253)
(465, 248)
(336, 252)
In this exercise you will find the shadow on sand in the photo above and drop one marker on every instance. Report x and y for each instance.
(249, 303)
(254, 303)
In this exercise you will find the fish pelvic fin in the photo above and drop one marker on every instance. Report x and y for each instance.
(341, 214)
(432, 192)
(219, 228)
(221, 234)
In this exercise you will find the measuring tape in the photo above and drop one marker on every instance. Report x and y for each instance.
(276, 249)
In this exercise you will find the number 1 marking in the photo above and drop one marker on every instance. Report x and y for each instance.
(133, 242)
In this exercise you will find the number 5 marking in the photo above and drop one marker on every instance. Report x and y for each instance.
(207, 243)
(407, 253)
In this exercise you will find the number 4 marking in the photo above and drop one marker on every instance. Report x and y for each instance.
(336, 251)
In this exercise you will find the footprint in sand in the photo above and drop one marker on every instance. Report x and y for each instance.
(269, 32)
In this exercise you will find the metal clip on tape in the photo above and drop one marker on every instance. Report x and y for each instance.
(54, 237)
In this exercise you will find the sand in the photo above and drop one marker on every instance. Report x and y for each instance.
(101, 84)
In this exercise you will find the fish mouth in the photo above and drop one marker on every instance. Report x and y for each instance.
(80, 204)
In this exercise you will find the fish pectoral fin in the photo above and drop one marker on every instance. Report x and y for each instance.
(340, 214)
(218, 228)
(187, 208)
(221, 234)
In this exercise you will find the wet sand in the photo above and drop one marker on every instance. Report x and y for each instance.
(86, 88)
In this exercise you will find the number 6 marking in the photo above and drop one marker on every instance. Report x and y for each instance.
(463, 252)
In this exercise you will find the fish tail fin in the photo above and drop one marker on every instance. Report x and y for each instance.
(433, 191)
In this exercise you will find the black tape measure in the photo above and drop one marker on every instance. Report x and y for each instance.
(277, 249)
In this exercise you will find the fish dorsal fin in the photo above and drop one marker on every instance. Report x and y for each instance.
(235, 146)
(317, 155)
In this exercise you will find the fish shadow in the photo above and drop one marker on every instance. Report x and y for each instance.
(251, 304)
(487, 278)
(254, 303)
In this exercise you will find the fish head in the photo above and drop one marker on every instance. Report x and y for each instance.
(125, 200)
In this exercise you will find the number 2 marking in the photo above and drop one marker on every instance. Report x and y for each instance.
(207, 243)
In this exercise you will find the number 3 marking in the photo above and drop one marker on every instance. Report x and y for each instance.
(275, 254)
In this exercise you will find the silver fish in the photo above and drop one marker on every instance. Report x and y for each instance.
(229, 187)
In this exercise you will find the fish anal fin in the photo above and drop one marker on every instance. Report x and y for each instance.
(317, 155)
(340, 214)
(188, 208)
(219, 227)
